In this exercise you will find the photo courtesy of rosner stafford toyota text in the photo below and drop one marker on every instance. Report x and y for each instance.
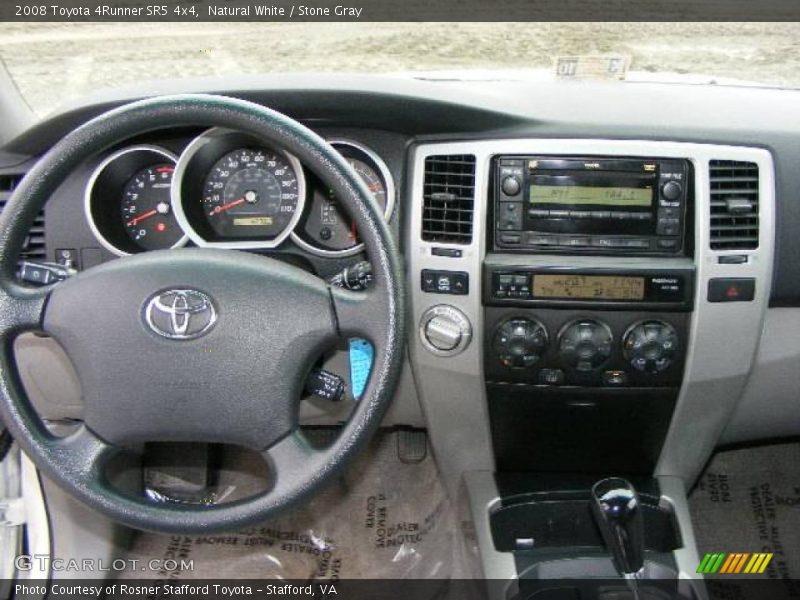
(399, 300)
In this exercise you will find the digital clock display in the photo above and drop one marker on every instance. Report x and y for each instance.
(588, 287)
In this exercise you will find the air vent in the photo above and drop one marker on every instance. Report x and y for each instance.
(449, 198)
(734, 205)
(34, 248)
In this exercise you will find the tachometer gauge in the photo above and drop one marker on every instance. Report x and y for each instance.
(146, 210)
(127, 201)
(326, 228)
(232, 192)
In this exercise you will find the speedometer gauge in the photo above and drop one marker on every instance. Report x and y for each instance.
(231, 191)
(250, 193)
(326, 228)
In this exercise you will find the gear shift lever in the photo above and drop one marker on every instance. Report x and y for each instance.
(616, 509)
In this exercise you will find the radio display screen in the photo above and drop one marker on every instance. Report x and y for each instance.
(574, 195)
(588, 287)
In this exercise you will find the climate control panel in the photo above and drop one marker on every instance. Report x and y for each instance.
(556, 347)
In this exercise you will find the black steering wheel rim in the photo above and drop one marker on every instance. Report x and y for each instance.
(75, 462)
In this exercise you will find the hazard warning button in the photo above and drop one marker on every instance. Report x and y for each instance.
(741, 289)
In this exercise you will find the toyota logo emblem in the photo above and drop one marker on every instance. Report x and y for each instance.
(180, 314)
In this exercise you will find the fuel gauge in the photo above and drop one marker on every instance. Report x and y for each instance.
(326, 228)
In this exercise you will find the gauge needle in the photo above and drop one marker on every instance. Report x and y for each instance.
(142, 217)
(224, 207)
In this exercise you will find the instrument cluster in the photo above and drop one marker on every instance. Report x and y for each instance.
(226, 190)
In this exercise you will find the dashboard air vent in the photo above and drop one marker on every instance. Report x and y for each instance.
(448, 199)
(34, 248)
(734, 205)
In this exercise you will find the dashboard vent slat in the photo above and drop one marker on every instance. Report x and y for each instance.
(734, 188)
(448, 199)
(34, 247)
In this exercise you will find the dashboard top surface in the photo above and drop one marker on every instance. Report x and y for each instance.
(424, 110)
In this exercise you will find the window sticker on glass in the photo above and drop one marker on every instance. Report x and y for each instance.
(607, 66)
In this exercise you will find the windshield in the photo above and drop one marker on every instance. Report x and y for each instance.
(53, 63)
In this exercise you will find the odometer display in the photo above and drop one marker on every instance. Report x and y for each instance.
(250, 194)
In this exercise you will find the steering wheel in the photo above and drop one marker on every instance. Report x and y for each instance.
(261, 324)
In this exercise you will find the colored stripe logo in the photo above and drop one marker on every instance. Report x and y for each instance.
(732, 563)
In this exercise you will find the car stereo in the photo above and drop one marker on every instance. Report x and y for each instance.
(590, 204)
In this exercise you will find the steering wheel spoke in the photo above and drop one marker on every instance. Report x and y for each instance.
(21, 308)
(360, 314)
(290, 458)
(82, 453)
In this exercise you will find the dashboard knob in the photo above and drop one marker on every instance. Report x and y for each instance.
(650, 346)
(520, 342)
(511, 186)
(585, 345)
(443, 333)
(445, 330)
(672, 190)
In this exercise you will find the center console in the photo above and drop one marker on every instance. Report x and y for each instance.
(586, 303)
(578, 319)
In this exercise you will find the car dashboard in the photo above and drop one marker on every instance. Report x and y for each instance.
(600, 276)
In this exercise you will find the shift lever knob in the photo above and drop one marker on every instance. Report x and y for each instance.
(616, 509)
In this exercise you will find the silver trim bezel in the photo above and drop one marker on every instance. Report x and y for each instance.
(463, 323)
(383, 171)
(176, 196)
(87, 194)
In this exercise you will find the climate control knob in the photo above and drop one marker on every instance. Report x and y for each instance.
(650, 346)
(585, 345)
(445, 330)
(520, 342)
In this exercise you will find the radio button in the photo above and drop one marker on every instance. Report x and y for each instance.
(615, 214)
(601, 214)
(573, 241)
(668, 244)
(538, 213)
(580, 214)
(668, 212)
(672, 190)
(639, 244)
(551, 377)
(559, 214)
(511, 186)
(542, 240)
(615, 378)
(510, 238)
(667, 226)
